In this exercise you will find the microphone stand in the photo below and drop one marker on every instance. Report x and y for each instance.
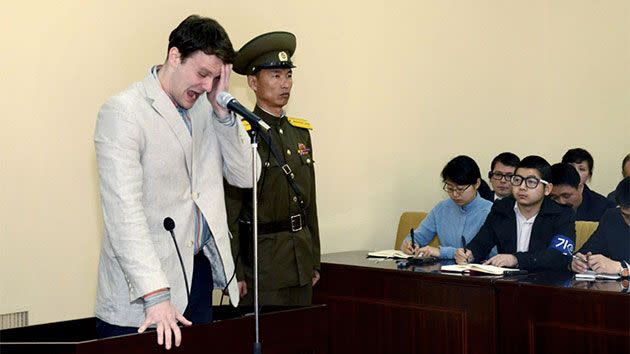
(254, 142)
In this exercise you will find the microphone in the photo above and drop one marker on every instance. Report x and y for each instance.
(169, 225)
(225, 100)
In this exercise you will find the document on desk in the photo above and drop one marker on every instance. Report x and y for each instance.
(394, 254)
(479, 268)
(591, 275)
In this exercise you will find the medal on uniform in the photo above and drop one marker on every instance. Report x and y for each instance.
(303, 150)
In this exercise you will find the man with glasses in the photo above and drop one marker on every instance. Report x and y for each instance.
(461, 215)
(530, 230)
(501, 171)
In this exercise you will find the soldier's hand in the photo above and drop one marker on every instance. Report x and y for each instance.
(242, 288)
(315, 277)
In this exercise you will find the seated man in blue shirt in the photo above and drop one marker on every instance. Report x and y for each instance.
(608, 249)
(461, 215)
(593, 204)
(530, 230)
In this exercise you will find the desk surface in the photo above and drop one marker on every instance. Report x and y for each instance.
(563, 279)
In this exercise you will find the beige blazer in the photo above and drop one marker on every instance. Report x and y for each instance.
(151, 168)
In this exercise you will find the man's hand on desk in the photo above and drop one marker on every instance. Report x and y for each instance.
(165, 316)
(462, 257)
(602, 264)
(502, 260)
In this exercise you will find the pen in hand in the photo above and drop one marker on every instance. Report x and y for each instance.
(584, 261)
(464, 247)
(413, 241)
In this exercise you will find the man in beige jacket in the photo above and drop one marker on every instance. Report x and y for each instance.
(163, 147)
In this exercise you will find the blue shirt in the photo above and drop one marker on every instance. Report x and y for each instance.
(450, 222)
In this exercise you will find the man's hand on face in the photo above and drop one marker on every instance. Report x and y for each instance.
(223, 84)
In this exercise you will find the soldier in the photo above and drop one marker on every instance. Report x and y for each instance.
(288, 233)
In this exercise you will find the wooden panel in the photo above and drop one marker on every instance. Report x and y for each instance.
(297, 331)
(387, 311)
(383, 327)
(543, 319)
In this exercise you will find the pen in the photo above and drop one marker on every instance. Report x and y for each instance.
(464, 244)
(413, 242)
(579, 258)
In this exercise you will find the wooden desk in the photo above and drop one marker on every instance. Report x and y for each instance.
(552, 313)
(374, 307)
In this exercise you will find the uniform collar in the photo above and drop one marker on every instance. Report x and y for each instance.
(269, 118)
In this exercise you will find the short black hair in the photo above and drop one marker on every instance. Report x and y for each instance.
(204, 34)
(579, 155)
(564, 174)
(625, 160)
(622, 193)
(538, 163)
(461, 170)
(506, 158)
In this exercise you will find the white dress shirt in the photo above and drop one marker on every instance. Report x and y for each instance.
(523, 230)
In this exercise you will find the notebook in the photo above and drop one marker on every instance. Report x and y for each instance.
(395, 254)
(591, 275)
(474, 267)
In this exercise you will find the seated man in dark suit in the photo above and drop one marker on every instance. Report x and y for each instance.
(530, 230)
(608, 249)
(501, 171)
(567, 190)
(593, 204)
(625, 172)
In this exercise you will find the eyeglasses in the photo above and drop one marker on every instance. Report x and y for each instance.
(454, 190)
(497, 176)
(531, 181)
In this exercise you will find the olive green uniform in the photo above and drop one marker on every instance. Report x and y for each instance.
(288, 240)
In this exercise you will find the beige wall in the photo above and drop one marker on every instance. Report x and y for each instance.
(393, 88)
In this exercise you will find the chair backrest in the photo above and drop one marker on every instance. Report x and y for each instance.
(408, 220)
(583, 231)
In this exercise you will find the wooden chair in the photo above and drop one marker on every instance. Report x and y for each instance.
(408, 220)
(583, 231)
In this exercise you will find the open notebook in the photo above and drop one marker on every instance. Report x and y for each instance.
(478, 268)
(396, 254)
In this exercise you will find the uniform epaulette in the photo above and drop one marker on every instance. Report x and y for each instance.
(246, 124)
(300, 123)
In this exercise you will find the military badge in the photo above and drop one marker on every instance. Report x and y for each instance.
(303, 150)
(283, 56)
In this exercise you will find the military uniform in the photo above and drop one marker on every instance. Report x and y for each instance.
(288, 233)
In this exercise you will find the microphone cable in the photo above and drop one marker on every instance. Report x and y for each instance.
(169, 225)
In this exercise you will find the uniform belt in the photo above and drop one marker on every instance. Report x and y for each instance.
(293, 224)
